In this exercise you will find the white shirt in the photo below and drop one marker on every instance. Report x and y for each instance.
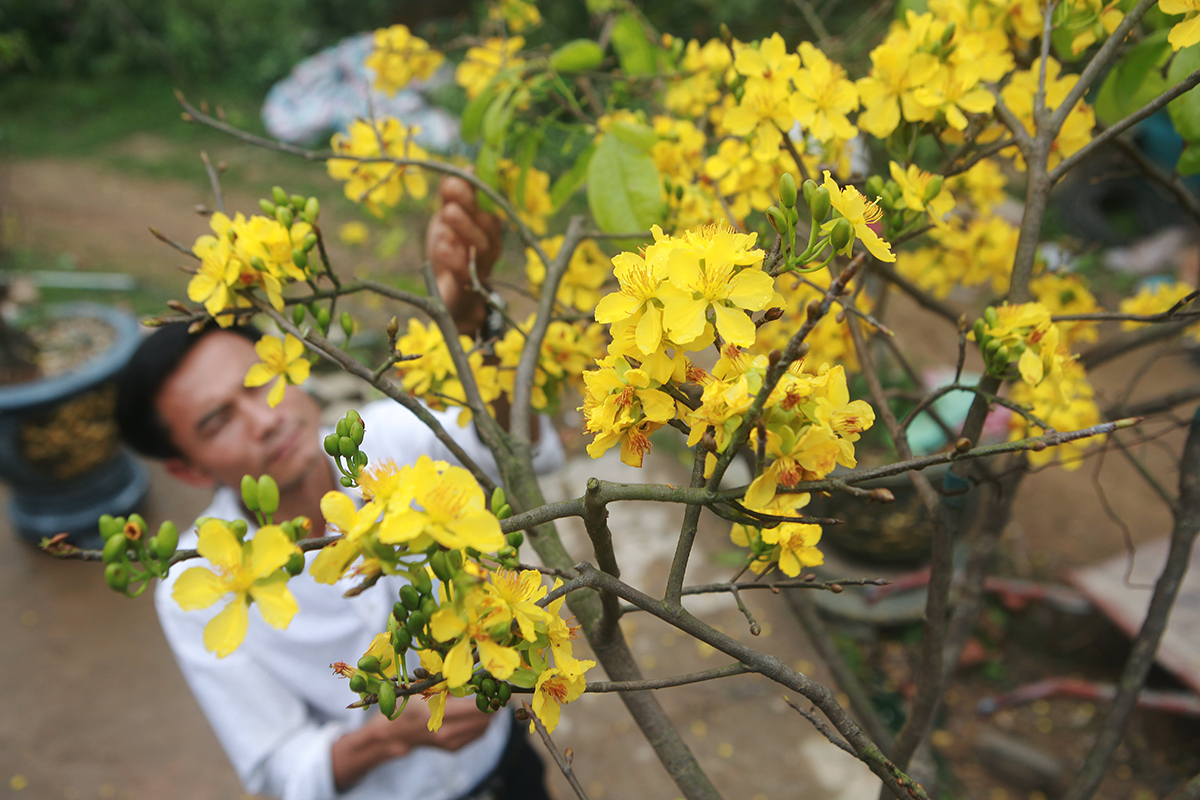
(275, 704)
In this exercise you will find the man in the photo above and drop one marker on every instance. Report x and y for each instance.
(274, 704)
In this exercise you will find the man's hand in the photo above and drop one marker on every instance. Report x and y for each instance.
(381, 740)
(458, 226)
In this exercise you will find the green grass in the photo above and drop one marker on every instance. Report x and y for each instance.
(146, 299)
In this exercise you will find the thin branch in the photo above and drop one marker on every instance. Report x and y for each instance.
(214, 180)
(1067, 164)
(166, 240)
(1166, 589)
(561, 760)
(821, 727)
(597, 687)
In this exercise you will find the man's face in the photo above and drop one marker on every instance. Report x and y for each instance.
(226, 430)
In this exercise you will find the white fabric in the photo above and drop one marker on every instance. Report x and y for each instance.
(274, 703)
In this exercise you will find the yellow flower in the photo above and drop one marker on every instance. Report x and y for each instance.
(251, 571)
(889, 90)
(481, 64)
(922, 192)
(378, 184)
(1065, 404)
(580, 284)
(537, 205)
(452, 513)
(955, 91)
(435, 695)
(1185, 33)
(1154, 298)
(519, 593)
(1067, 293)
(823, 97)
(791, 545)
(353, 234)
(716, 268)
(356, 526)
(218, 272)
(860, 213)
(516, 14)
(468, 624)
(282, 359)
(399, 57)
(620, 405)
(638, 300)
(555, 688)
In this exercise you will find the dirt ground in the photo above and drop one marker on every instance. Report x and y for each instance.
(95, 707)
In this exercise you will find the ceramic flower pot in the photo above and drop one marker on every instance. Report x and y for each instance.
(59, 451)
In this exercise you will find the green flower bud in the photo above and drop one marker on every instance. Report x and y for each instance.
(410, 598)
(820, 205)
(117, 577)
(503, 692)
(352, 417)
(1001, 357)
(258, 263)
(842, 235)
(331, 444)
(298, 312)
(416, 624)
(874, 186)
(454, 560)
(309, 241)
(114, 549)
(498, 500)
(342, 428)
(775, 217)
(488, 687)
(347, 324)
(991, 317)
(980, 335)
(295, 564)
(437, 562)
(477, 679)
(285, 216)
(483, 704)
(808, 187)
(429, 607)
(239, 529)
(267, 206)
(507, 552)
(312, 207)
(323, 319)
(576, 56)
(401, 639)
(347, 447)
(268, 494)
(250, 493)
(297, 202)
(422, 582)
(360, 459)
(279, 195)
(934, 188)
(167, 540)
(347, 482)
(368, 664)
(515, 539)
(358, 682)
(109, 527)
(787, 190)
(300, 258)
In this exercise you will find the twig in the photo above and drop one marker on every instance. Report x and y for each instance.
(821, 727)
(597, 687)
(563, 764)
(1141, 658)
(214, 180)
(165, 240)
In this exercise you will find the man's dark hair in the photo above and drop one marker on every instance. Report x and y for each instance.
(157, 357)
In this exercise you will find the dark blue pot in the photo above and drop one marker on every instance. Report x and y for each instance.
(59, 450)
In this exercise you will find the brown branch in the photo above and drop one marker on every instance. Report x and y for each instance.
(1166, 589)
(561, 760)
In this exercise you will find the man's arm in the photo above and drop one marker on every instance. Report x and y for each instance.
(360, 751)
(457, 227)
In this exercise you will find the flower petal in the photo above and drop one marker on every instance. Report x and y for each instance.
(226, 630)
(275, 602)
(199, 588)
(219, 545)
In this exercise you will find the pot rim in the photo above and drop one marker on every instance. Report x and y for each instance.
(45, 390)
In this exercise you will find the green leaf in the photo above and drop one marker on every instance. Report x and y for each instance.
(1189, 160)
(634, 51)
(1135, 80)
(487, 167)
(496, 120)
(624, 190)
(472, 117)
(569, 182)
(1185, 109)
(635, 134)
(526, 149)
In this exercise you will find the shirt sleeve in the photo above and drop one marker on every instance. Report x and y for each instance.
(274, 744)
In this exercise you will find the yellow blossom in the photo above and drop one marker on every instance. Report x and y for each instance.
(586, 272)
(923, 191)
(250, 570)
(399, 57)
(378, 184)
(823, 97)
(621, 405)
(483, 63)
(452, 510)
(1185, 33)
(555, 688)
(518, 15)
(357, 527)
(850, 204)
(280, 359)
(791, 545)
